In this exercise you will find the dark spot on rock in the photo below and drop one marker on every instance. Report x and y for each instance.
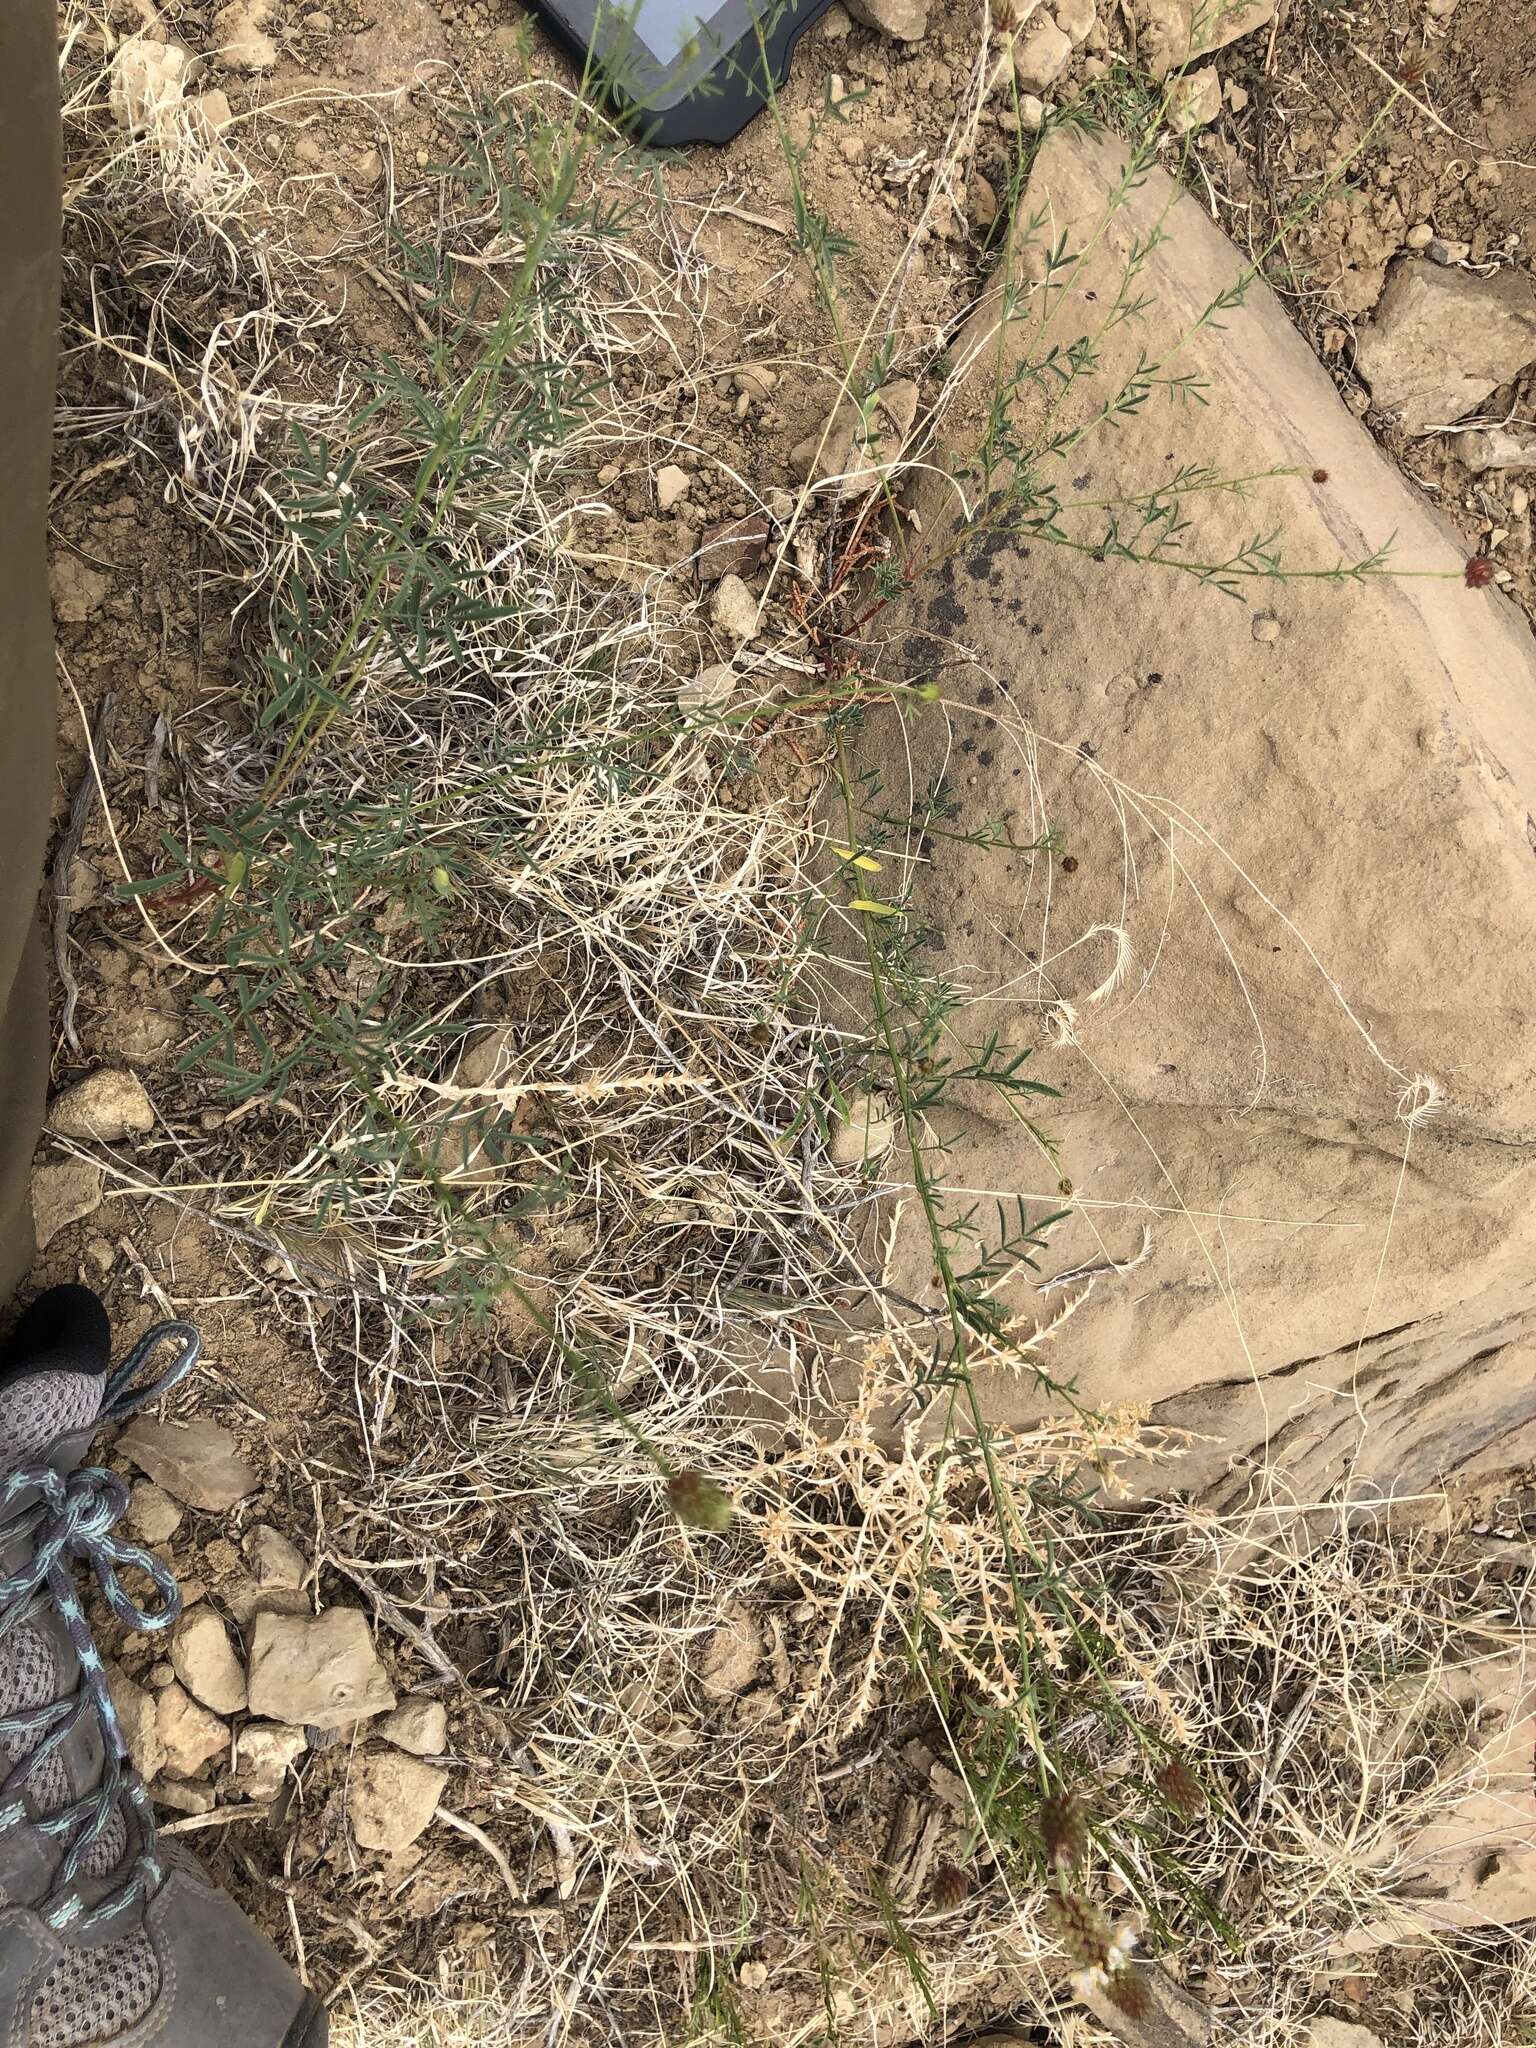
(985, 757)
(986, 694)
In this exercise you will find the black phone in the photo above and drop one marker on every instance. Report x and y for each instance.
(679, 71)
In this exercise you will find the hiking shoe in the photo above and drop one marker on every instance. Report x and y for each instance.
(108, 1939)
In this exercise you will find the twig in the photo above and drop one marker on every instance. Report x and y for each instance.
(82, 806)
(478, 1834)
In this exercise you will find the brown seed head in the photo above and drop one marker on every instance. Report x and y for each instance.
(699, 1502)
(1081, 1929)
(951, 1887)
(1479, 573)
(1128, 1990)
(1181, 1788)
(1064, 1830)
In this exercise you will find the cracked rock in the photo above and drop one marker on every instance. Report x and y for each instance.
(189, 1735)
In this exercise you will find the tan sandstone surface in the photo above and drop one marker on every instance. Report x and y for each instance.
(1309, 811)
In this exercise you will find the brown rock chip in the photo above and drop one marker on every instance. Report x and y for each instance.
(196, 1462)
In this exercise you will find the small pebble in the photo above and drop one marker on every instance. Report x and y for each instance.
(1266, 627)
(1420, 235)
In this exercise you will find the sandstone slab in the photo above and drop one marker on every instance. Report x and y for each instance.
(1292, 874)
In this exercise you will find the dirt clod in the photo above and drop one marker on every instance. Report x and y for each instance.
(107, 1105)
(393, 1799)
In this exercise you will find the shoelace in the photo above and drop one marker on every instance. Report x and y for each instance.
(73, 1520)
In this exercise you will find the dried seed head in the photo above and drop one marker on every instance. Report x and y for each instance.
(699, 1502)
(951, 1887)
(1127, 1988)
(1479, 572)
(1181, 1788)
(1081, 1929)
(1064, 1830)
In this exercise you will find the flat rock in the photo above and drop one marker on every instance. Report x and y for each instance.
(391, 1800)
(907, 20)
(865, 1134)
(1441, 340)
(63, 1192)
(183, 1795)
(316, 1671)
(1041, 52)
(708, 690)
(1474, 1864)
(190, 1736)
(734, 609)
(203, 1658)
(418, 1726)
(1076, 19)
(732, 547)
(1483, 448)
(195, 1462)
(1331, 2033)
(1276, 828)
(107, 1105)
(1169, 35)
(860, 444)
(672, 486)
(265, 1752)
(1195, 100)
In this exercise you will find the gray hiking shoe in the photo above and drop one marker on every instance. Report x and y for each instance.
(107, 1939)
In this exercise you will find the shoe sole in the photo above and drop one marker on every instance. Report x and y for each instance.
(311, 2029)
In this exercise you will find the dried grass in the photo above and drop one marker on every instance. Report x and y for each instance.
(633, 1852)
